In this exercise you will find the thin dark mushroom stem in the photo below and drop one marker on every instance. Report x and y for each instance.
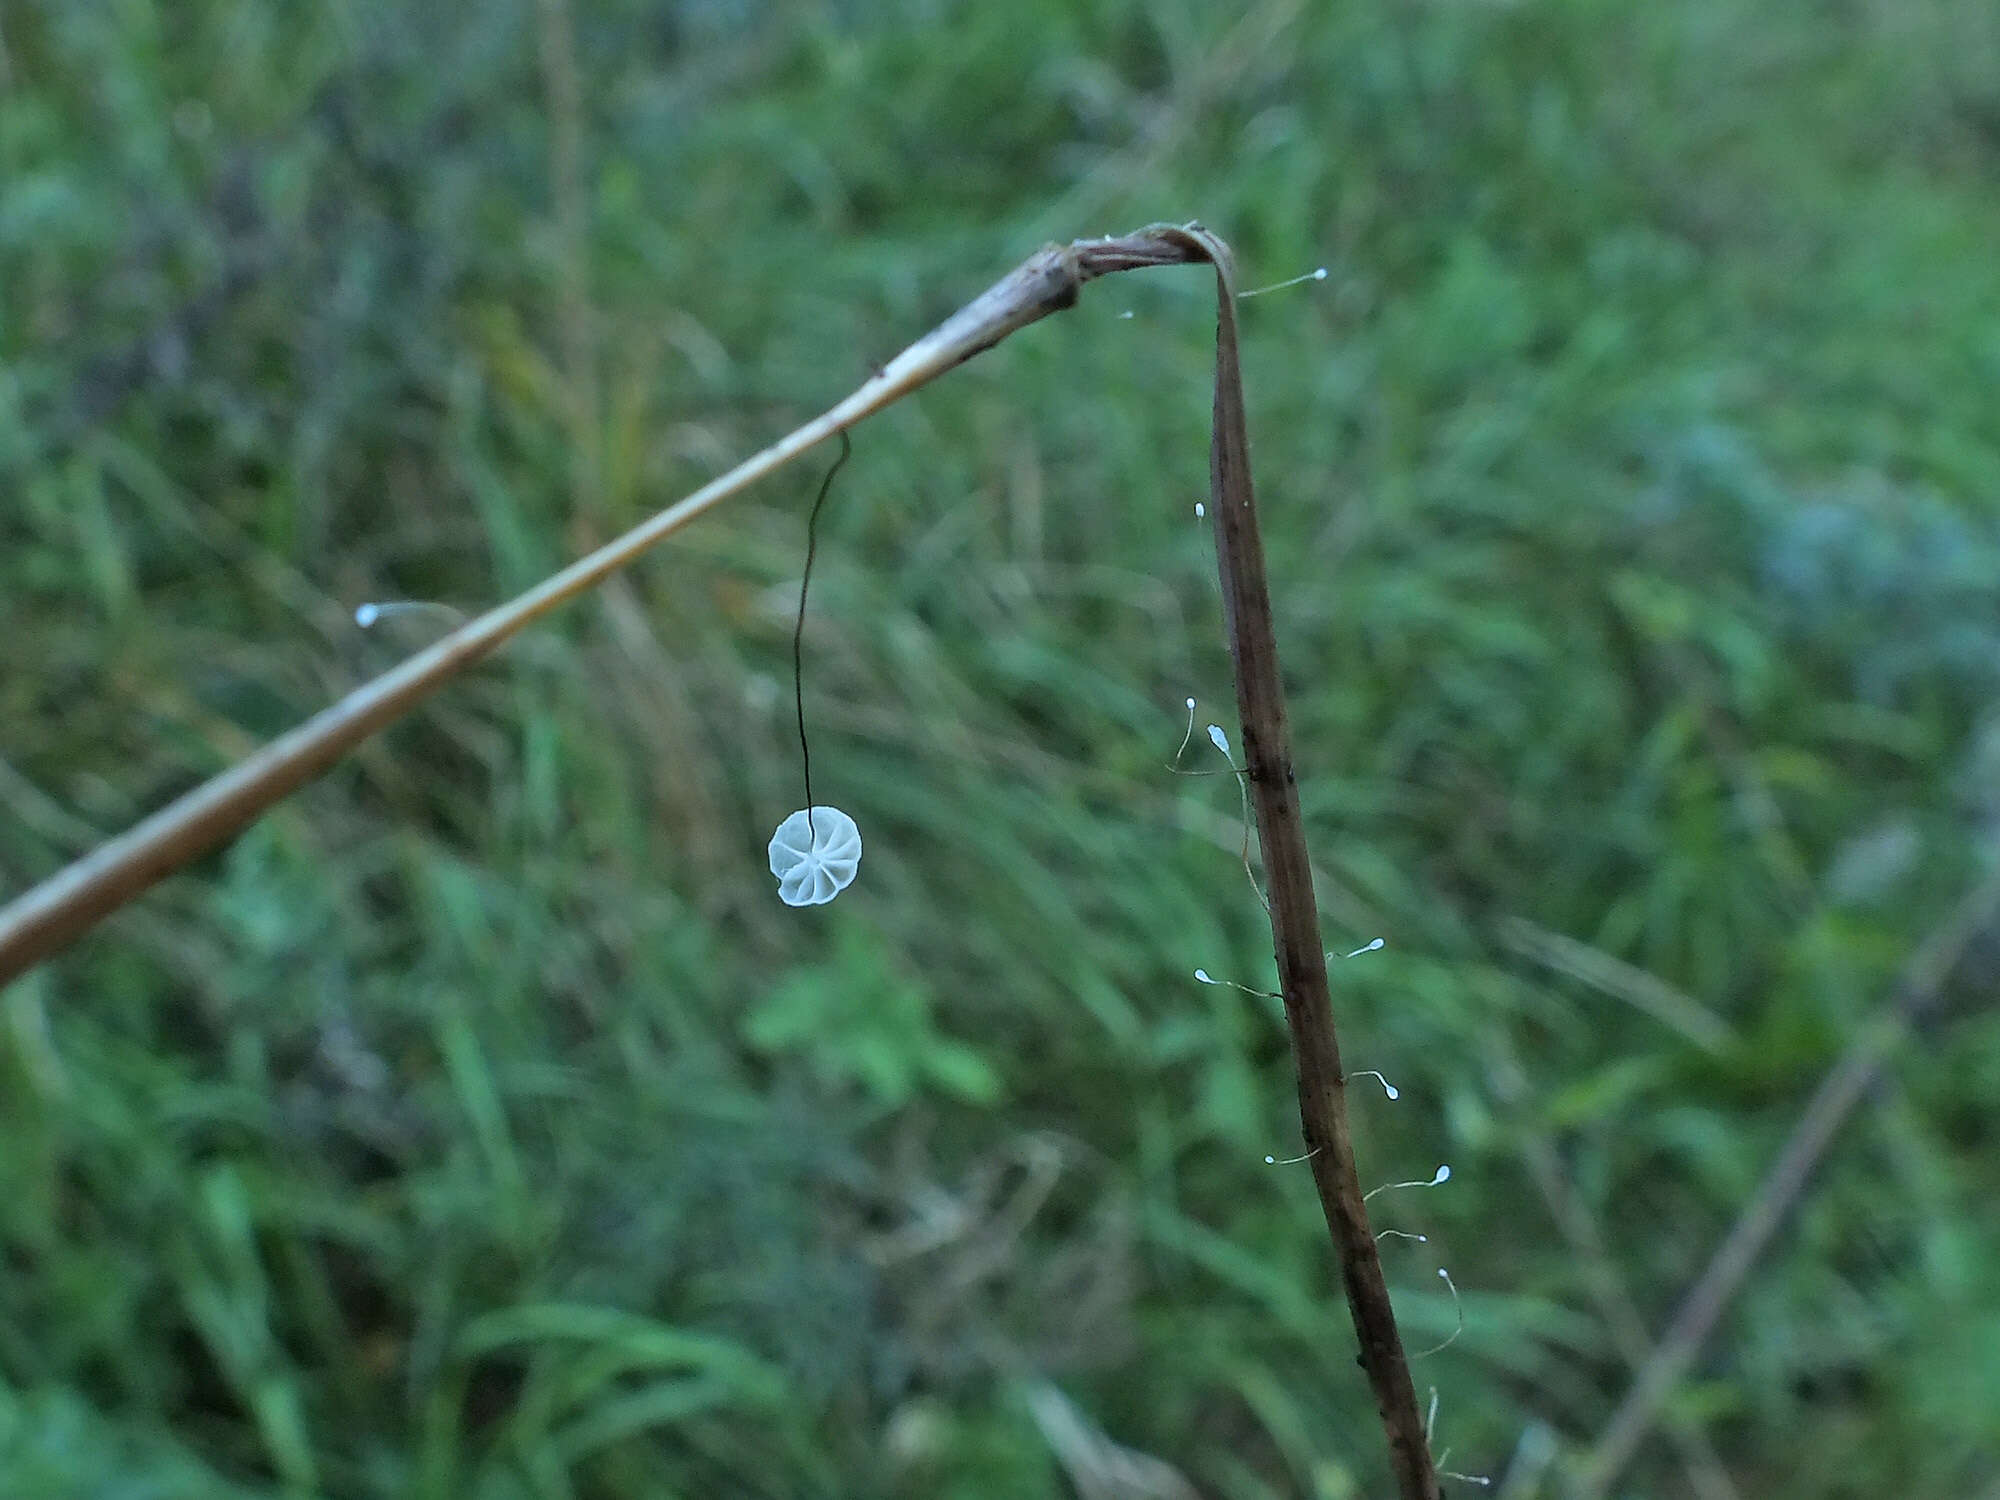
(799, 625)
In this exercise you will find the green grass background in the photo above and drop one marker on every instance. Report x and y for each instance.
(479, 1124)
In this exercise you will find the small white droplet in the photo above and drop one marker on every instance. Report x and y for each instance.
(1202, 975)
(1366, 948)
(1200, 510)
(1218, 738)
(366, 615)
(1126, 314)
(1190, 704)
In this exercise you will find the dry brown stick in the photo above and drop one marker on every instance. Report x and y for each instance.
(1918, 988)
(51, 914)
(1295, 934)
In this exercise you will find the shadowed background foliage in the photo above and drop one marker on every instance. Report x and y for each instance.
(480, 1125)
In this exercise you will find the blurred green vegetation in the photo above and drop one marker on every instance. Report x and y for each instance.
(480, 1125)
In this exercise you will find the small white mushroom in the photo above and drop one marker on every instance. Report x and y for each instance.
(815, 857)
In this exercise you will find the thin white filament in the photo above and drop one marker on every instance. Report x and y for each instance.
(1458, 1307)
(1220, 739)
(1206, 978)
(1318, 274)
(1438, 1179)
(1186, 737)
(369, 615)
(1290, 1161)
(1387, 1087)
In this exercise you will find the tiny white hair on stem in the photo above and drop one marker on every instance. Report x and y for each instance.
(1438, 1179)
(1218, 737)
(1368, 947)
(1458, 1307)
(367, 616)
(1318, 273)
(1207, 978)
(1387, 1087)
(1184, 738)
(1402, 1234)
(1484, 1481)
(1290, 1161)
(1220, 740)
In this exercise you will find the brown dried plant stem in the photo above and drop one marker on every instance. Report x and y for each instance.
(44, 919)
(1295, 933)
